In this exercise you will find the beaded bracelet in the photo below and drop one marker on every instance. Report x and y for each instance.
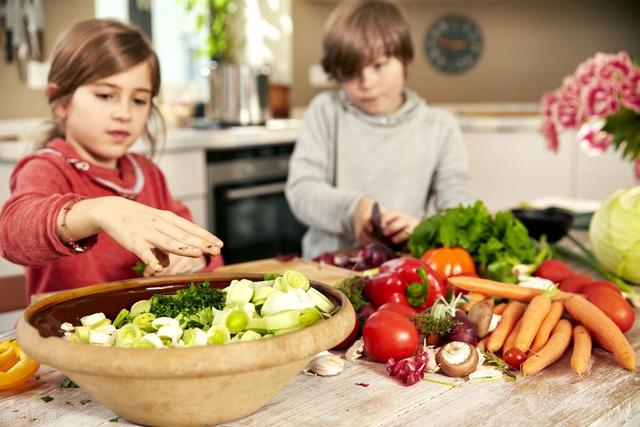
(73, 245)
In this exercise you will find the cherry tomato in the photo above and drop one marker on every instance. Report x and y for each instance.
(388, 335)
(449, 261)
(514, 358)
(402, 309)
(575, 283)
(601, 284)
(614, 306)
(351, 338)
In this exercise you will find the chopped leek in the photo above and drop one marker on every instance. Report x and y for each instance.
(121, 318)
(237, 321)
(250, 336)
(320, 300)
(94, 320)
(295, 279)
(139, 307)
(143, 321)
(128, 335)
(218, 334)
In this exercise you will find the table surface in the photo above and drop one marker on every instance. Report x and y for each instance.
(364, 394)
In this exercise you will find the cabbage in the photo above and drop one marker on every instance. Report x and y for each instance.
(614, 232)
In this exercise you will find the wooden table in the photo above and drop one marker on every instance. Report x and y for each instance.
(364, 395)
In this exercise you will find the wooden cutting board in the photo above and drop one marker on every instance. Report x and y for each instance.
(328, 274)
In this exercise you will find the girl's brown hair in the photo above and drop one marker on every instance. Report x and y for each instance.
(94, 49)
(359, 30)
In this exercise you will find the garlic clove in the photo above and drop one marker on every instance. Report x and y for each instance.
(325, 365)
(355, 351)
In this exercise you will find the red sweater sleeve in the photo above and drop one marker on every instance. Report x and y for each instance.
(28, 218)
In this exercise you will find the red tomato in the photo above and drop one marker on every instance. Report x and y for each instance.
(601, 284)
(449, 261)
(514, 358)
(554, 270)
(402, 309)
(389, 335)
(350, 339)
(614, 306)
(575, 283)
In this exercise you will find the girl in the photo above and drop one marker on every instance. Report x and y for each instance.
(83, 210)
(374, 140)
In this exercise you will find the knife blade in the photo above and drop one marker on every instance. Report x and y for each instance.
(376, 222)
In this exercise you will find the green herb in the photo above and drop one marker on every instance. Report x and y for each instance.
(502, 366)
(139, 268)
(438, 319)
(114, 420)
(69, 403)
(352, 288)
(496, 243)
(85, 401)
(68, 383)
(46, 399)
(187, 301)
(16, 410)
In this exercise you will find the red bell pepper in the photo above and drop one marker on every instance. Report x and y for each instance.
(405, 280)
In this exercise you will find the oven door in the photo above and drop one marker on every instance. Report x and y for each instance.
(254, 221)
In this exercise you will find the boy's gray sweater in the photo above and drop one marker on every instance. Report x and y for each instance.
(401, 160)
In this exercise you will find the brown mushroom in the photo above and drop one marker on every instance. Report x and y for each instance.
(480, 315)
(457, 359)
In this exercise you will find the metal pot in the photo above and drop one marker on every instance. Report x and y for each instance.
(238, 94)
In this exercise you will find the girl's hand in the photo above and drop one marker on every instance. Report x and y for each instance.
(361, 220)
(178, 265)
(398, 225)
(140, 229)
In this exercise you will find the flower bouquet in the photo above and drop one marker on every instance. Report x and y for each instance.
(601, 101)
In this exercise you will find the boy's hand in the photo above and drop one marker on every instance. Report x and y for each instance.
(398, 225)
(361, 220)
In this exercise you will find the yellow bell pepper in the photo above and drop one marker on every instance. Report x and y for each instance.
(15, 366)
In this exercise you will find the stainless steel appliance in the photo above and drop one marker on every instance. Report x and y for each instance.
(248, 209)
(238, 94)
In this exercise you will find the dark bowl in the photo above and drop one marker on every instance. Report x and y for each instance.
(552, 222)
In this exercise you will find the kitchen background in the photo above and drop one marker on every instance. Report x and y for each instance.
(527, 46)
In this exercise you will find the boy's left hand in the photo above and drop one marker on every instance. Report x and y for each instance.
(398, 225)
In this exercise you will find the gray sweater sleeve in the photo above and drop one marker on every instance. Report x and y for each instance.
(452, 181)
(310, 189)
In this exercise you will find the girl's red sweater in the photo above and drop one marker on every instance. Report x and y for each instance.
(40, 185)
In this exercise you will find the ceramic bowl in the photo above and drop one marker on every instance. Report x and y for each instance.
(174, 386)
(552, 222)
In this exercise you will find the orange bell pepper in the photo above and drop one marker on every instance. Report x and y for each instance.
(15, 366)
(449, 261)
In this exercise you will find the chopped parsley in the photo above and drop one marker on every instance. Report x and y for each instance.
(68, 383)
(46, 399)
(85, 401)
(187, 301)
(114, 420)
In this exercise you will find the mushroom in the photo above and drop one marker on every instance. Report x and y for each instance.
(457, 359)
(480, 315)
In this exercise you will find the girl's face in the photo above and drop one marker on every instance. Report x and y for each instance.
(378, 88)
(104, 118)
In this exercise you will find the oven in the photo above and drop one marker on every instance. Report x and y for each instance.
(247, 206)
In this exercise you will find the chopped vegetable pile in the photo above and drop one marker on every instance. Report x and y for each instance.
(199, 315)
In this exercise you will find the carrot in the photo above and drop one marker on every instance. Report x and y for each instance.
(552, 351)
(603, 327)
(547, 325)
(511, 338)
(498, 309)
(473, 298)
(581, 350)
(498, 289)
(532, 318)
(510, 317)
(482, 344)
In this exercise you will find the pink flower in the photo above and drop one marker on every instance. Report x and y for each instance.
(636, 164)
(631, 92)
(566, 111)
(550, 133)
(613, 67)
(593, 139)
(600, 99)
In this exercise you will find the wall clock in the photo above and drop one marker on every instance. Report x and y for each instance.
(453, 43)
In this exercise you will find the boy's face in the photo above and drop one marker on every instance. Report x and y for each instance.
(378, 88)
(104, 118)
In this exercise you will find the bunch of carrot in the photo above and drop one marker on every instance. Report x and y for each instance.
(538, 329)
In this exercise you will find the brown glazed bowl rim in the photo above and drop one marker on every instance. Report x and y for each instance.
(186, 362)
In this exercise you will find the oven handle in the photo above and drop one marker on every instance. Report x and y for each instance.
(255, 191)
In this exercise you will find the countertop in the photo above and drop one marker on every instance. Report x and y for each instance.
(16, 134)
(364, 394)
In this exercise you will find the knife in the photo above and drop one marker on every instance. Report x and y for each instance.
(376, 221)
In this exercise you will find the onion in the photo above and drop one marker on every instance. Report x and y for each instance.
(463, 330)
